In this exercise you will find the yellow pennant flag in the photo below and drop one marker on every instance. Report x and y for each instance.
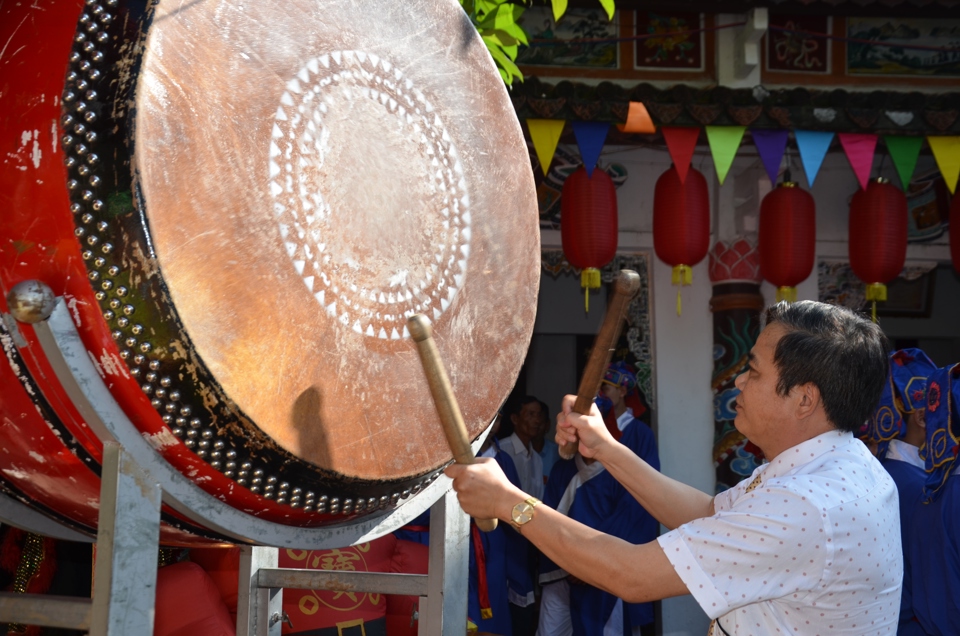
(724, 142)
(545, 134)
(946, 150)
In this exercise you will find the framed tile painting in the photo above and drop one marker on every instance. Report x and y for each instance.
(792, 44)
(669, 42)
(584, 38)
(904, 47)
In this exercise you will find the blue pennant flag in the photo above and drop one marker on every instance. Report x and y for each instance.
(590, 137)
(813, 146)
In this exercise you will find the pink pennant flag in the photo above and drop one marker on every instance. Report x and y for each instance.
(859, 148)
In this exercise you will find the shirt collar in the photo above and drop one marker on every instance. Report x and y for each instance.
(625, 418)
(806, 452)
(518, 445)
(901, 451)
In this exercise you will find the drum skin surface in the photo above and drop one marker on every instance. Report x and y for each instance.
(241, 205)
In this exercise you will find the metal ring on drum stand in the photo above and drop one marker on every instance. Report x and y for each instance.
(13, 513)
(69, 358)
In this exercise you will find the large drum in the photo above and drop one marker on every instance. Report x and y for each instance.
(240, 204)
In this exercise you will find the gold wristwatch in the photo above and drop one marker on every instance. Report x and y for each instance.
(523, 512)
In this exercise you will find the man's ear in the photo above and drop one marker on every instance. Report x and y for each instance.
(921, 418)
(808, 399)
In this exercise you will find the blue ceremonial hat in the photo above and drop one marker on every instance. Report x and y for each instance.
(943, 429)
(909, 369)
(904, 392)
(620, 374)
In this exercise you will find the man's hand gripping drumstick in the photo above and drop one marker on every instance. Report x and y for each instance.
(447, 407)
(625, 290)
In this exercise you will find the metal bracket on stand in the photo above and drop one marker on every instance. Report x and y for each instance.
(134, 481)
(125, 575)
(442, 592)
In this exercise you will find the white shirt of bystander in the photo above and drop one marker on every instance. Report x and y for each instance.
(529, 465)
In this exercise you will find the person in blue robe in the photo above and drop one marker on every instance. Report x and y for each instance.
(589, 494)
(490, 552)
(935, 548)
(897, 431)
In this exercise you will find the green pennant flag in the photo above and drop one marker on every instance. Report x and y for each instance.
(724, 142)
(904, 152)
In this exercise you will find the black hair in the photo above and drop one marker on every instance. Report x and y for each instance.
(522, 402)
(843, 354)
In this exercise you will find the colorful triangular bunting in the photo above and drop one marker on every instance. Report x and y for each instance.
(946, 150)
(681, 142)
(545, 134)
(904, 152)
(590, 137)
(813, 146)
(859, 148)
(638, 120)
(724, 141)
(771, 145)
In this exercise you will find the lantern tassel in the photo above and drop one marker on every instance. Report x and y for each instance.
(875, 292)
(589, 279)
(682, 275)
(788, 294)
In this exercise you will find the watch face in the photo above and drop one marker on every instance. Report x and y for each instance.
(522, 513)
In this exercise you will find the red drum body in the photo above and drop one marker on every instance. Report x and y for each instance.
(241, 205)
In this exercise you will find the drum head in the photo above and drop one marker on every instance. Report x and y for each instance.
(312, 174)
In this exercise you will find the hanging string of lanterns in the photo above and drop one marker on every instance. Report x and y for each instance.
(787, 238)
(878, 219)
(681, 223)
(588, 226)
(878, 237)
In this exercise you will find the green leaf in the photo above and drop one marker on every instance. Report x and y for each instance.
(559, 8)
(501, 38)
(486, 7)
(504, 61)
(506, 16)
(610, 6)
(510, 37)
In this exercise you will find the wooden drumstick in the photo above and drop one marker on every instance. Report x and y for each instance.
(447, 407)
(624, 291)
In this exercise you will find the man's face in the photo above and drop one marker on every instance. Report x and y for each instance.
(761, 411)
(612, 392)
(527, 422)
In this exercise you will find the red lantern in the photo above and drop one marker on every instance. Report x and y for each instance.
(681, 223)
(955, 232)
(588, 224)
(788, 238)
(878, 237)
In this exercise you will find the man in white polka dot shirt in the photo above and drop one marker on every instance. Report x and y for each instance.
(810, 544)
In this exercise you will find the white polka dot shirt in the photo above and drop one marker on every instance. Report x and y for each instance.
(813, 549)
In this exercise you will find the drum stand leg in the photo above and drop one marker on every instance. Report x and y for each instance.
(444, 609)
(125, 573)
(442, 592)
(125, 570)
